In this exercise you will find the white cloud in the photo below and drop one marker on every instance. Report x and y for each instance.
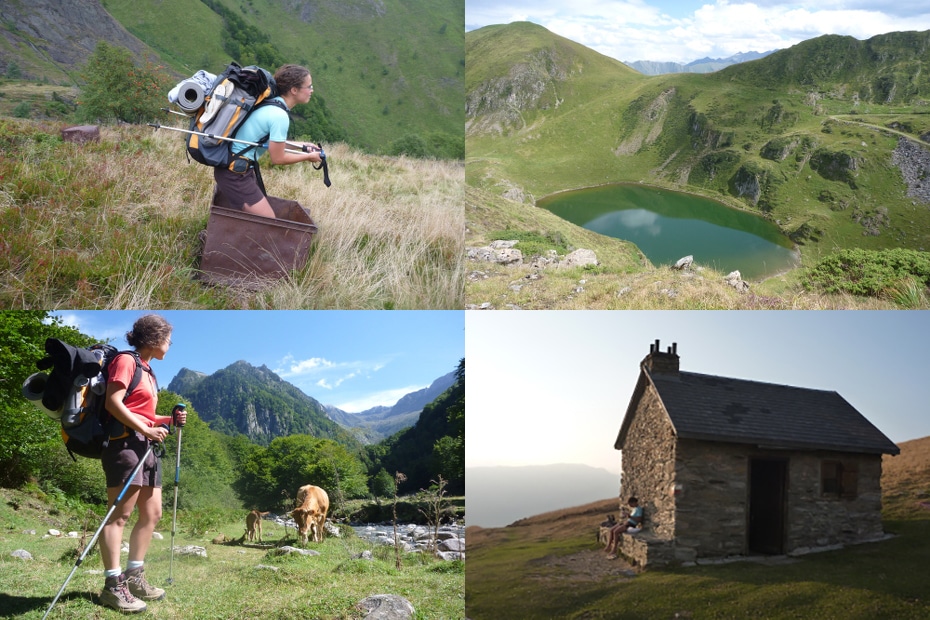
(384, 398)
(633, 30)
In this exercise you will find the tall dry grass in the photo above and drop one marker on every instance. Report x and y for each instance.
(115, 225)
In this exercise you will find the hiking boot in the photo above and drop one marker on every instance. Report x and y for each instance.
(140, 588)
(117, 596)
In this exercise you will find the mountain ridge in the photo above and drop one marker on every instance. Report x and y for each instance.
(701, 65)
(785, 137)
(227, 399)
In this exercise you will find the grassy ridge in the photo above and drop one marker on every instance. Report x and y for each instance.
(115, 225)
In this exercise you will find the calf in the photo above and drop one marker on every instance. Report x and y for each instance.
(253, 522)
(310, 514)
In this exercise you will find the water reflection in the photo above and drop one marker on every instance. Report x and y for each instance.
(668, 225)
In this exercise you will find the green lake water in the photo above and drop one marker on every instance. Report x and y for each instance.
(668, 225)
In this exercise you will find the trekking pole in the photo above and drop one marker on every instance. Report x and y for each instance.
(159, 449)
(177, 478)
(298, 148)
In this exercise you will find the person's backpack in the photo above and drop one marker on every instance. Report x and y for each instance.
(76, 388)
(236, 93)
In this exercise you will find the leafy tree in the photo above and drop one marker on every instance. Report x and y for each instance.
(29, 440)
(116, 88)
(207, 476)
(382, 484)
(269, 476)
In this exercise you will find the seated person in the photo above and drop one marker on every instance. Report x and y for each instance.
(632, 520)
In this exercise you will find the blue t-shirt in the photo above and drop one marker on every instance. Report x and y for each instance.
(637, 512)
(268, 120)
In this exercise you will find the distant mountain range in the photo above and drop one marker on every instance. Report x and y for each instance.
(498, 496)
(383, 421)
(703, 65)
(255, 402)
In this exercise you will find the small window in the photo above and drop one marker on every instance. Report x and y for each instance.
(839, 479)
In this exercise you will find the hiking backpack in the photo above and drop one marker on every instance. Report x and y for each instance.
(75, 389)
(236, 93)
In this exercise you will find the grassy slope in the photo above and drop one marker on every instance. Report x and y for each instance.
(695, 132)
(519, 563)
(226, 584)
(382, 75)
(115, 225)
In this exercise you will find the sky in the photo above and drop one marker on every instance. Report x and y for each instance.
(548, 387)
(683, 31)
(354, 360)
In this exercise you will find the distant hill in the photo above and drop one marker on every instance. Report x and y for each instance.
(499, 496)
(703, 65)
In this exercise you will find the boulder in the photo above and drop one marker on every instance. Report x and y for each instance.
(579, 258)
(81, 134)
(386, 607)
(735, 279)
(684, 263)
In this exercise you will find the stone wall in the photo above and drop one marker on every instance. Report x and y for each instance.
(648, 465)
(712, 497)
(815, 520)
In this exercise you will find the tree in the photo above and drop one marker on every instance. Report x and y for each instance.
(117, 89)
(29, 439)
(269, 476)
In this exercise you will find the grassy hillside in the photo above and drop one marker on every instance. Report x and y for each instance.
(818, 159)
(385, 69)
(554, 561)
(115, 225)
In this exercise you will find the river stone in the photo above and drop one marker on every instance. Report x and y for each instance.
(386, 607)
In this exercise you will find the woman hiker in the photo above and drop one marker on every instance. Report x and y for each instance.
(137, 427)
(242, 190)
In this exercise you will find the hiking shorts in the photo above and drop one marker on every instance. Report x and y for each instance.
(237, 189)
(121, 457)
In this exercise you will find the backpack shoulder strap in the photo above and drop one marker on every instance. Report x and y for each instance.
(137, 376)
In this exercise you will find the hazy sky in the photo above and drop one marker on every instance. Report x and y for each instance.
(552, 387)
(682, 31)
(352, 359)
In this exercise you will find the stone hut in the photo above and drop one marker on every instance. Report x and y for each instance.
(729, 467)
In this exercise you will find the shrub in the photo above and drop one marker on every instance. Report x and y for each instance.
(869, 272)
(117, 89)
(22, 110)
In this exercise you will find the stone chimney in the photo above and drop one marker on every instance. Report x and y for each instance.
(659, 362)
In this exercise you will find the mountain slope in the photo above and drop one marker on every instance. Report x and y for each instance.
(774, 136)
(257, 403)
(380, 422)
(385, 68)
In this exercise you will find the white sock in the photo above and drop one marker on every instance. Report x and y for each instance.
(113, 572)
(134, 564)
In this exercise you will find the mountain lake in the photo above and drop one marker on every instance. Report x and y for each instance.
(669, 225)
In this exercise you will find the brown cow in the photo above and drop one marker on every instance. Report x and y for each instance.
(310, 514)
(253, 522)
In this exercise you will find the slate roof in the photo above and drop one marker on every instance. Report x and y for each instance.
(715, 408)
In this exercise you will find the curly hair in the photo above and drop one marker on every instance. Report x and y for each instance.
(150, 330)
(290, 76)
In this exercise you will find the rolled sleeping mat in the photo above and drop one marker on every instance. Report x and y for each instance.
(190, 96)
(34, 388)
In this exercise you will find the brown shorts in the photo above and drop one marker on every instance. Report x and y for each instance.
(122, 456)
(237, 189)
